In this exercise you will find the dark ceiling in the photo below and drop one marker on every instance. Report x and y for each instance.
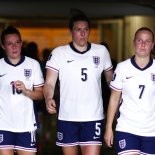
(60, 9)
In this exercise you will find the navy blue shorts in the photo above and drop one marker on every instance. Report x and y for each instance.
(127, 143)
(19, 141)
(79, 133)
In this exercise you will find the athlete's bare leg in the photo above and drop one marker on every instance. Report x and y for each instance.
(21, 152)
(71, 150)
(91, 149)
(6, 152)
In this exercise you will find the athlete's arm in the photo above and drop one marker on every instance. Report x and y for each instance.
(35, 94)
(50, 82)
(112, 108)
(108, 75)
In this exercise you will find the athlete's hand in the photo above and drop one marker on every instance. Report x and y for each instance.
(108, 137)
(19, 85)
(51, 106)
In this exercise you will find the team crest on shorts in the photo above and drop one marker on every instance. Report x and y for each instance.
(1, 138)
(60, 135)
(96, 60)
(27, 73)
(122, 143)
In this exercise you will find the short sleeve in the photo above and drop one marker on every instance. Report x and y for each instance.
(107, 60)
(53, 61)
(116, 82)
(38, 78)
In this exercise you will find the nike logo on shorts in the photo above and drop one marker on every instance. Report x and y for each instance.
(32, 144)
(95, 137)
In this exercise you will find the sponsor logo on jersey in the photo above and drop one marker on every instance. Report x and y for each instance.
(122, 143)
(96, 60)
(1, 138)
(27, 73)
(68, 61)
(60, 135)
(2, 75)
(128, 77)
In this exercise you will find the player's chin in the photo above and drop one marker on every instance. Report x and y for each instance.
(82, 43)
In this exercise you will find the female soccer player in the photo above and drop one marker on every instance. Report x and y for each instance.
(133, 84)
(21, 82)
(79, 66)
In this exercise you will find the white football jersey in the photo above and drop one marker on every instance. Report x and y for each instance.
(80, 81)
(16, 109)
(137, 110)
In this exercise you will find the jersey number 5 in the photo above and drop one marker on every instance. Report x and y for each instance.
(84, 74)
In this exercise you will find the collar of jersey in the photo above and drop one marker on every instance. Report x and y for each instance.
(135, 65)
(77, 51)
(21, 61)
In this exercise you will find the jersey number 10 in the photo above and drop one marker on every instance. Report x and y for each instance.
(14, 90)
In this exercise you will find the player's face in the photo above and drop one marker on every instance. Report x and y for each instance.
(12, 46)
(143, 43)
(80, 33)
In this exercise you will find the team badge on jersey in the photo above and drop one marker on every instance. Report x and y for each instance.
(27, 73)
(122, 143)
(1, 138)
(153, 77)
(96, 60)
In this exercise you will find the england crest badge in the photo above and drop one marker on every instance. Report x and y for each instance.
(122, 143)
(96, 60)
(27, 73)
